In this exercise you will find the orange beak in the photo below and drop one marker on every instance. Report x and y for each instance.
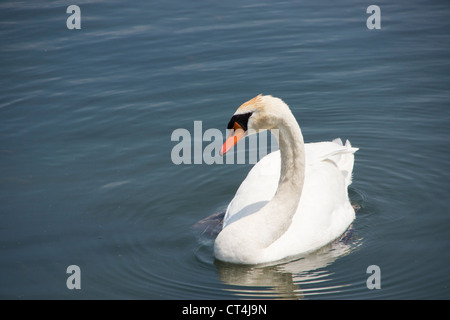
(236, 134)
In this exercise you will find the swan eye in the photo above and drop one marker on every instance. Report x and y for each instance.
(240, 119)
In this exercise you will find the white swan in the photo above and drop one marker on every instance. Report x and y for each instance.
(293, 200)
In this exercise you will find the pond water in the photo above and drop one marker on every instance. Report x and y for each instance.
(86, 118)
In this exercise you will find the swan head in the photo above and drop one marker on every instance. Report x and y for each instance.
(263, 112)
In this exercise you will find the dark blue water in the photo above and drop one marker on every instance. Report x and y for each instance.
(86, 118)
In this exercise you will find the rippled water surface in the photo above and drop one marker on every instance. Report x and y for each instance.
(86, 118)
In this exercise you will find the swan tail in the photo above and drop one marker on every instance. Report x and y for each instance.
(344, 159)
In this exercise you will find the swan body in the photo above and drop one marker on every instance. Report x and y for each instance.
(293, 200)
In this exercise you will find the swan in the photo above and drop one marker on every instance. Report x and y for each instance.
(294, 200)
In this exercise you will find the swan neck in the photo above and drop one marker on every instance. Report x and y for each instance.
(283, 206)
(292, 153)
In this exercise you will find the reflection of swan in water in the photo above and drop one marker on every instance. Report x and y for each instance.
(281, 279)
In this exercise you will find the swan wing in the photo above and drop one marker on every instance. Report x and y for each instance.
(323, 213)
(337, 152)
(256, 190)
(261, 183)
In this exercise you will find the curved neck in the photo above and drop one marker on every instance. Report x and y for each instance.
(283, 206)
(292, 153)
